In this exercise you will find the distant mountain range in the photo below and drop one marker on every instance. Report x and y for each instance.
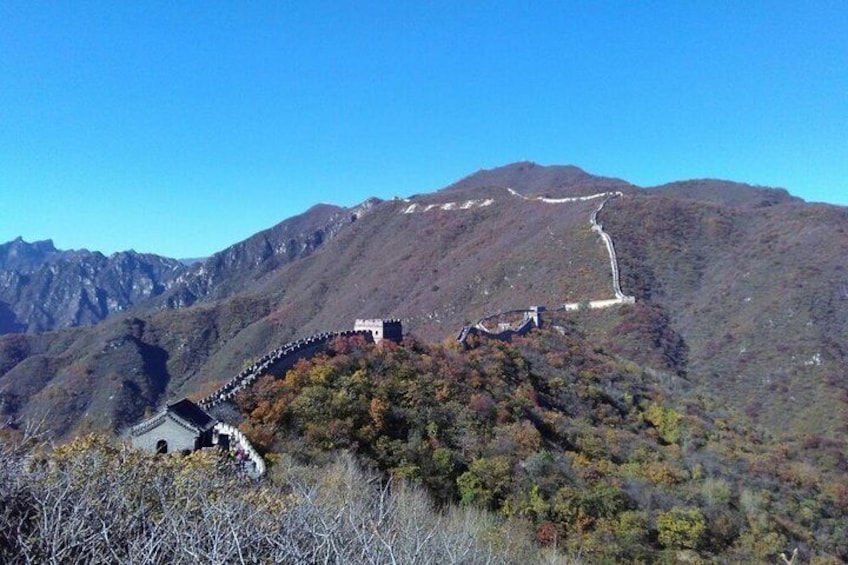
(43, 288)
(741, 290)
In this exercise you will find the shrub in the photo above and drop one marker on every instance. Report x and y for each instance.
(681, 528)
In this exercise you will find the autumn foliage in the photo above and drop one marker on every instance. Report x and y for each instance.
(597, 456)
(95, 501)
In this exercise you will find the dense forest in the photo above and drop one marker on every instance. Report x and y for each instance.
(545, 449)
(599, 457)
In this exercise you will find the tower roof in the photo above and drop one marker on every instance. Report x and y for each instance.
(192, 414)
(184, 412)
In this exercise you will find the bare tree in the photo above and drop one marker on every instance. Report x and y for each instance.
(96, 502)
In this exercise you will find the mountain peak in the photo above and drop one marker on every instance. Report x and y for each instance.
(20, 242)
(528, 177)
(19, 254)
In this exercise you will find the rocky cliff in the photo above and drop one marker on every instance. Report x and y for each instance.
(43, 288)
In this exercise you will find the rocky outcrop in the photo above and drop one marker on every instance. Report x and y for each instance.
(24, 257)
(43, 288)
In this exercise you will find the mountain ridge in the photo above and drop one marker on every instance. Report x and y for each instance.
(440, 267)
(43, 288)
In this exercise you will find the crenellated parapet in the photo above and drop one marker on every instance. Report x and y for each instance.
(279, 359)
(254, 464)
(186, 425)
(285, 357)
(380, 329)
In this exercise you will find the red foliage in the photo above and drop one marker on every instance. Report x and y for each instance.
(546, 534)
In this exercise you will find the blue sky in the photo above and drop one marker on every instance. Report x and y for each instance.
(182, 127)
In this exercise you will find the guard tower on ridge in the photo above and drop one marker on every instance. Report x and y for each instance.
(381, 329)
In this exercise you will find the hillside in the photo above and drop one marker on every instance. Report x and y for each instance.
(231, 270)
(42, 288)
(757, 292)
(739, 288)
(601, 458)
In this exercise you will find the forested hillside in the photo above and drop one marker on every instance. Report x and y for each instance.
(600, 457)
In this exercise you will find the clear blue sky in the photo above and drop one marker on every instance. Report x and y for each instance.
(182, 127)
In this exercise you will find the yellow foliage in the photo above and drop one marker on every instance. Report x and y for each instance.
(662, 473)
(666, 421)
(681, 528)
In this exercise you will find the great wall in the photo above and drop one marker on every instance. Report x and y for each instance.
(532, 316)
(283, 358)
(280, 359)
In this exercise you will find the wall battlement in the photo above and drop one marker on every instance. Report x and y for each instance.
(280, 359)
(284, 357)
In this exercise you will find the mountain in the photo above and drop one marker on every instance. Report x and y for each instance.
(43, 288)
(726, 193)
(534, 179)
(756, 283)
(18, 255)
(740, 290)
(229, 271)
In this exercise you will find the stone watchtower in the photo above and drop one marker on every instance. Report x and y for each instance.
(381, 329)
(535, 314)
(181, 426)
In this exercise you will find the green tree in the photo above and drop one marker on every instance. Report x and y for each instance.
(486, 482)
(666, 421)
(681, 528)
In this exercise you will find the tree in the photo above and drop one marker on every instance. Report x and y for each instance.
(681, 528)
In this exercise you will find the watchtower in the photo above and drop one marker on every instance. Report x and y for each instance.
(535, 314)
(381, 329)
(181, 426)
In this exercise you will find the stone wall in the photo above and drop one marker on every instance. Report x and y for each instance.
(381, 329)
(254, 465)
(599, 229)
(534, 314)
(278, 360)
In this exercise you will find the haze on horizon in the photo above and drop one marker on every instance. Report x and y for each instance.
(181, 129)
